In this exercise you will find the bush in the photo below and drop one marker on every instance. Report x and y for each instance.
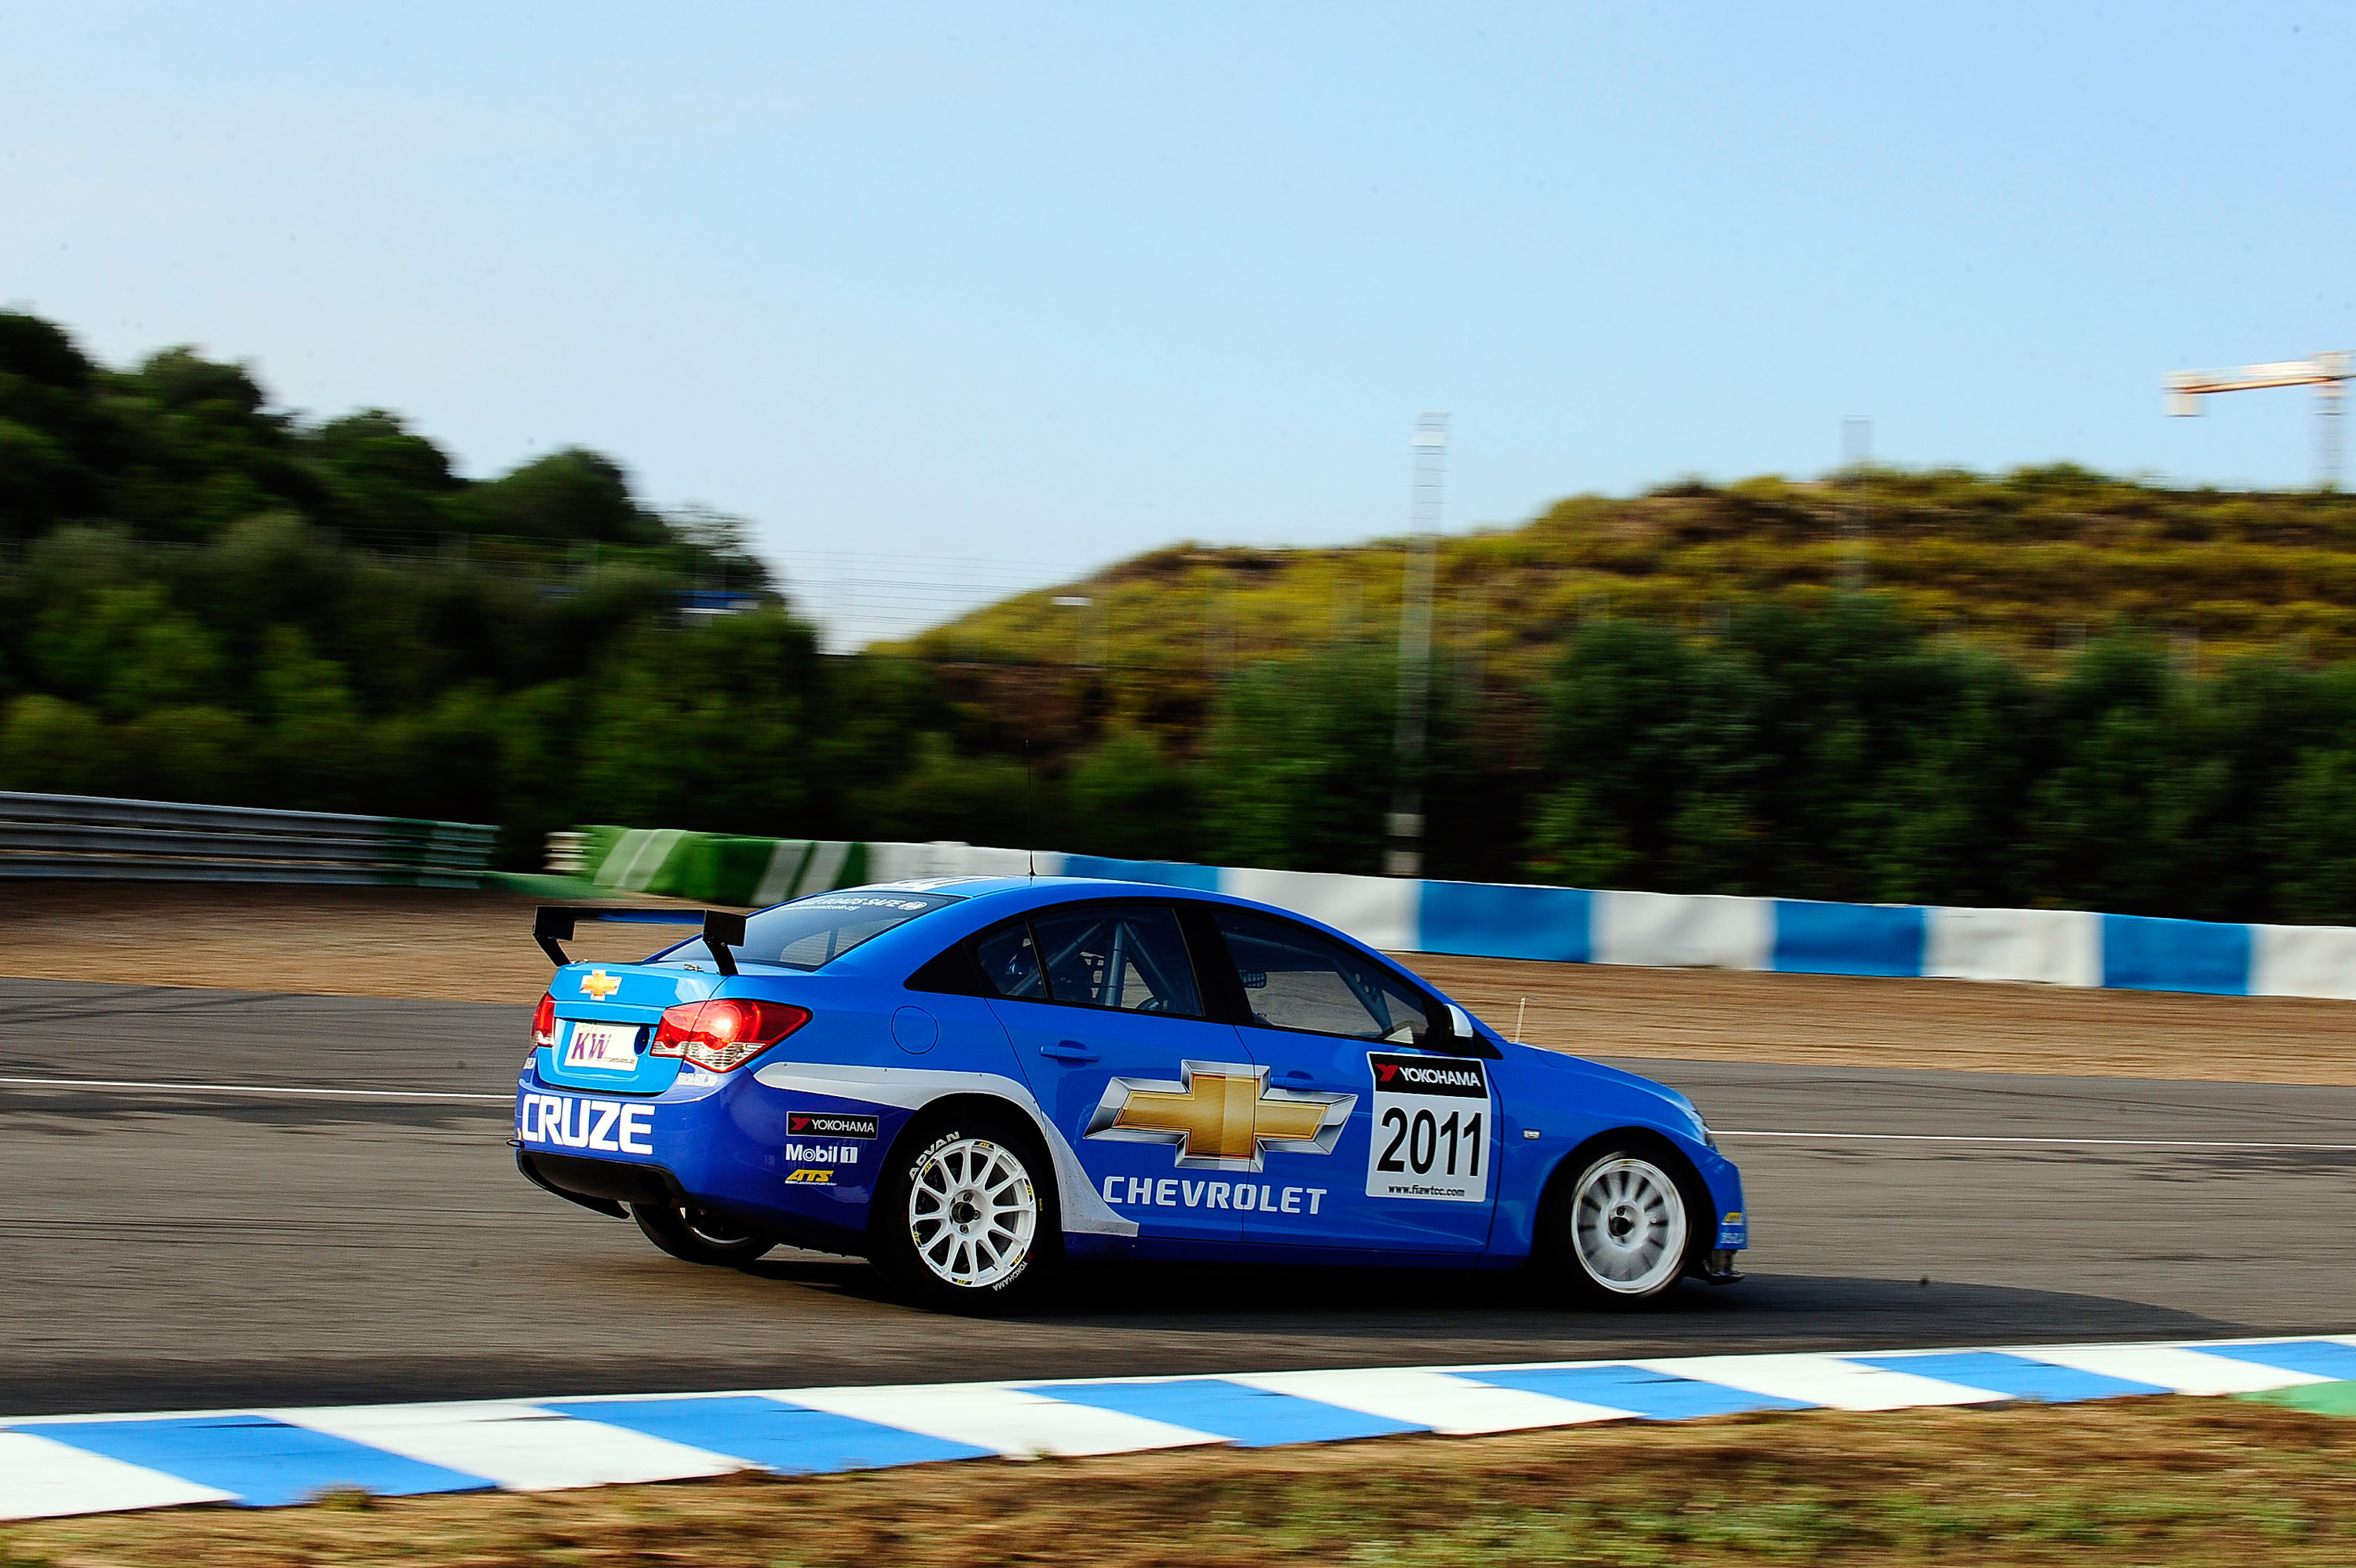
(51, 746)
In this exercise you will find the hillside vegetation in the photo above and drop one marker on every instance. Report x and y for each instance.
(205, 598)
(2050, 687)
(181, 449)
(2045, 688)
(2031, 563)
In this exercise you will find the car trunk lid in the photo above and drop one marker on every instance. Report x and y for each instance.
(606, 1018)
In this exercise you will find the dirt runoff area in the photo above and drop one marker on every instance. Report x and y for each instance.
(386, 942)
(2174, 1482)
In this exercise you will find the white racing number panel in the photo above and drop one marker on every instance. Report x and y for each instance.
(1434, 1123)
(611, 1046)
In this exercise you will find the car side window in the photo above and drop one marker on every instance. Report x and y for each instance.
(1010, 961)
(1295, 979)
(1131, 957)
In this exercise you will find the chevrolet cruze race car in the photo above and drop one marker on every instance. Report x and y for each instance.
(970, 1081)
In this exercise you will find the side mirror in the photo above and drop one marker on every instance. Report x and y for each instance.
(1452, 1031)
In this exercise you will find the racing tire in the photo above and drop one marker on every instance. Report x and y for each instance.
(966, 1218)
(698, 1236)
(1617, 1227)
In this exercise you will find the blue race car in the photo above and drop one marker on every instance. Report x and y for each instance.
(970, 1082)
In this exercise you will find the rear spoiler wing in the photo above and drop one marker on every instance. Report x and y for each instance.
(722, 931)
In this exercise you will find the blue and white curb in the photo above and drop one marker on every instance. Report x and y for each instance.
(1581, 925)
(1718, 930)
(58, 1465)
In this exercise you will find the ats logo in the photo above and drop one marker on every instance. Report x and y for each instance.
(810, 1178)
(1222, 1115)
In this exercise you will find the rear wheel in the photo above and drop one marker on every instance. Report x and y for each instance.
(1619, 1232)
(966, 1223)
(700, 1236)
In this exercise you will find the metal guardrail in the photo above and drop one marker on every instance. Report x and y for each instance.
(154, 840)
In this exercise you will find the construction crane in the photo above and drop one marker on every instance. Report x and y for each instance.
(2327, 373)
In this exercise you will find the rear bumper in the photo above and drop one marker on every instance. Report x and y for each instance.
(604, 1185)
(728, 1149)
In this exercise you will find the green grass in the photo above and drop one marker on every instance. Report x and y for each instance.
(2166, 1483)
(2316, 1399)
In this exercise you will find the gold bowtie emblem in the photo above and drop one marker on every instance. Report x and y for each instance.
(1221, 1114)
(600, 984)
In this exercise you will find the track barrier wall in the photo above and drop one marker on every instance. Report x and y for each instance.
(95, 837)
(1573, 926)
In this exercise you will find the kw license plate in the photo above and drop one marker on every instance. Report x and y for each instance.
(613, 1046)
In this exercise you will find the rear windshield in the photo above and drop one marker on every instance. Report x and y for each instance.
(815, 931)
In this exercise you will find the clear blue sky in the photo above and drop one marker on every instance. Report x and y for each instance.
(1059, 283)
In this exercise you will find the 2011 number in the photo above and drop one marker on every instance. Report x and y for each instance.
(1422, 1136)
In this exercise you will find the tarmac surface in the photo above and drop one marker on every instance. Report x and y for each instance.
(191, 1247)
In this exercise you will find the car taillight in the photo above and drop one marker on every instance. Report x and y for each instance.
(725, 1033)
(543, 1023)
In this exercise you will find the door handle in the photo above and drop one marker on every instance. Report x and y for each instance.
(1295, 1073)
(1068, 1051)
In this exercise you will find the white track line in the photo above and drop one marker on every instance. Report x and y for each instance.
(2041, 1139)
(2182, 1368)
(249, 1089)
(1821, 1380)
(1013, 1421)
(1457, 1406)
(44, 1479)
(518, 1445)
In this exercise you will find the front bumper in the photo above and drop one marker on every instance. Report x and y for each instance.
(1731, 1223)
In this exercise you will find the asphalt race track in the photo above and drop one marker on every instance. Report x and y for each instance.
(183, 1248)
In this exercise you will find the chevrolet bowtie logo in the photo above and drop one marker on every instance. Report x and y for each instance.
(1221, 1114)
(600, 984)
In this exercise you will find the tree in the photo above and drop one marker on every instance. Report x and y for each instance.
(46, 428)
(2311, 831)
(977, 800)
(51, 746)
(1299, 762)
(702, 727)
(1621, 753)
(575, 493)
(128, 648)
(1125, 797)
(387, 479)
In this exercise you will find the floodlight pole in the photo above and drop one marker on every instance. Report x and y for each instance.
(1405, 856)
(2327, 373)
(1082, 603)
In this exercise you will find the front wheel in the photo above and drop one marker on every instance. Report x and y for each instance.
(1618, 1233)
(964, 1223)
(698, 1236)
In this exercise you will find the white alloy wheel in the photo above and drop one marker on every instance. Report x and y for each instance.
(1628, 1225)
(972, 1213)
